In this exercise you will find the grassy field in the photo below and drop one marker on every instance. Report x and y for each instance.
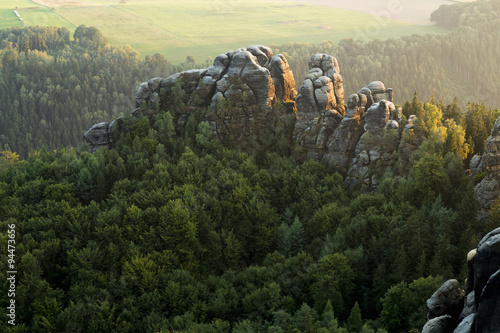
(7, 17)
(202, 28)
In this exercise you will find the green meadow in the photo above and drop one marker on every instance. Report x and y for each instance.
(205, 29)
(7, 17)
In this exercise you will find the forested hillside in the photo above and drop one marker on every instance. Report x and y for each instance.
(52, 88)
(171, 230)
(174, 232)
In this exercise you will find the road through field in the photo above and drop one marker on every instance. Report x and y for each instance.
(412, 11)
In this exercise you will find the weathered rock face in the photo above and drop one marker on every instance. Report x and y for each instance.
(342, 144)
(488, 189)
(326, 135)
(447, 300)
(322, 89)
(99, 136)
(466, 325)
(253, 75)
(242, 87)
(469, 307)
(320, 105)
(380, 139)
(488, 312)
(486, 261)
(249, 77)
(481, 310)
(438, 325)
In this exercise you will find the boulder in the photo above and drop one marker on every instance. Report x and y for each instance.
(488, 314)
(258, 79)
(375, 92)
(324, 93)
(447, 300)
(481, 311)
(469, 307)
(411, 122)
(466, 325)
(442, 324)
(327, 92)
(98, 136)
(306, 101)
(377, 116)
(486, 261)
(262, 53)
(142, 95)
(476, 164)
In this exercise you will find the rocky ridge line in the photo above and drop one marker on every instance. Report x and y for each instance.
(253, 75)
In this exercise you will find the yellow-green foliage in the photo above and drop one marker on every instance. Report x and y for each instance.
(455, 140)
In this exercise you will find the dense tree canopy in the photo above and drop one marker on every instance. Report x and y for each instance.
(172, 231)
(53, 88)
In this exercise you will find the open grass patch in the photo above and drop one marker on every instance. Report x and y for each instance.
(45, 16)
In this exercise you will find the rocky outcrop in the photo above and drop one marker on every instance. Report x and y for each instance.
(342, 144)
(329, 133)
(481, 310)
(379, 140)
(101, 135)
(320, 105)
(374, 137)
(252, 75)
(488, 312)
(447, 300)
(466, 325)
(439, 325)
(486, 261)
(322, 89)
(243, 88)
(488, 189)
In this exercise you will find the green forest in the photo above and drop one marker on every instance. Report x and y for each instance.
(174, 231)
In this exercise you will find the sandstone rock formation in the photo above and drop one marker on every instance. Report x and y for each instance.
(322, 89)
(100, 135)
(329, 132)
(447, 300)
(320, 105)
(252, 74)
(488, 189)
(439, 325)
(341, 146)
(481, 310)
(249, 77)
(378, 142)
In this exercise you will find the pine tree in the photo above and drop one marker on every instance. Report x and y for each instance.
(297, 237)
(284, 239)
(354, 322)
